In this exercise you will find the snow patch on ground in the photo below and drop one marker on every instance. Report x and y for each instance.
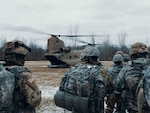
(47, 105)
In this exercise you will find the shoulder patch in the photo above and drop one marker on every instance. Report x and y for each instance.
(30, 80)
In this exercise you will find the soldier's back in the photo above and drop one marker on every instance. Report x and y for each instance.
(26, 95)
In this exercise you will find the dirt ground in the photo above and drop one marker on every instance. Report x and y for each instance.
(48, 80)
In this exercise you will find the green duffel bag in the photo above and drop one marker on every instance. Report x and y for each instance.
(64, 100)
(81, 104)
(69, 101)
(59, 99)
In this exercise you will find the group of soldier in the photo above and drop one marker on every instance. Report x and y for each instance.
(85, 87)
(124, 87)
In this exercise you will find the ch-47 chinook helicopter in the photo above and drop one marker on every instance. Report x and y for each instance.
(57, 53)
(61, 56)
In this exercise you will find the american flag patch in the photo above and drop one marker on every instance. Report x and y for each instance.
(30, 80)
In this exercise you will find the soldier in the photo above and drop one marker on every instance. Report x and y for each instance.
(27, 95)
(82, 89)
(126, 59)
(143, 100)
(112, 97)
(127, 80)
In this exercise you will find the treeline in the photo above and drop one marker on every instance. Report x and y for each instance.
(107, 51)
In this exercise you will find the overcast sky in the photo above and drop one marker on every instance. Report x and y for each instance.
(88, 16)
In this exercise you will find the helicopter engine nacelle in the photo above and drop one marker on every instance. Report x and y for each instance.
(67, 50)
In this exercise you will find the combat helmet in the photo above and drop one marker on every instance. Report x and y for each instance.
(90, 53)
(117, 58)
(126, 57)
(15, 51)
(138, 49)
(120, 52)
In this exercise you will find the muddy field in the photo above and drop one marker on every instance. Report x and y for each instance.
(48, 80)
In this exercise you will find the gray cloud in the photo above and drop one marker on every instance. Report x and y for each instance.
(91, 16)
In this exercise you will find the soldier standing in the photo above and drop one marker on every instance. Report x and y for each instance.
(130, 75)
(112, 97)
(83, 86)
(27, 95)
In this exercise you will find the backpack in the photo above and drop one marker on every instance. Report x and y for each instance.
(134, 74)
(81, 80)
(80, 83)
(7, 86)
(21, 97)
(114, 71)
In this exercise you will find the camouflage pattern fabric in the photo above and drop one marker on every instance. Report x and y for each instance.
(27, 95)
(85, 80)
(83, 74)
(7, 85)
(16, 47)
(138, 48)
(127, 82)
(114, 70)
(120, 52)
(126, 57)
(112, 97)
(146, 85)
(144, 93)
(117, 58)
(89, 52)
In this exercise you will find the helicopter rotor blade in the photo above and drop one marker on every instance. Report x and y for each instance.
(26, 29)
(79, 35)
(33, 30)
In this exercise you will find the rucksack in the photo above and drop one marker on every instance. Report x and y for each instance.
(134, 73)
(114, 71)
(7, 85)
(78, 85)
(23, 101)
(80, 80)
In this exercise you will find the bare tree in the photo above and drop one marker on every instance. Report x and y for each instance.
(147, 41)
(105, 53)
(93, 39)
(74, 32)
(3, 41)
(122, 38)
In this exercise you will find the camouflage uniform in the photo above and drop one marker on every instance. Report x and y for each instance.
(130, 75)
(7, 86)
(143, 100)
(113, 71)
(27, 95)
(85, 82)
